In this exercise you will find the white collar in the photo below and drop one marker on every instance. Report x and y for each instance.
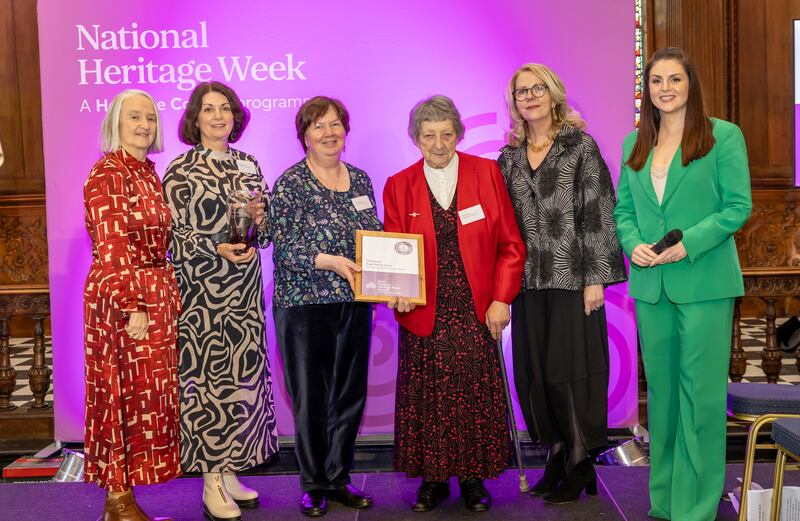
(442, 181)
(450, 169)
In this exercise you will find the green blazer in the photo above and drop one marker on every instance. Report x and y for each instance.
(708, 200)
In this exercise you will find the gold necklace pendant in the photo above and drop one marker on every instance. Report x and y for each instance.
(538, 148)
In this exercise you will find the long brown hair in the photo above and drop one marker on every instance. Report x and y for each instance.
(698, 138)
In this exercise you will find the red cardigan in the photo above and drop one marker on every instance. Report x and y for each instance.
(491, 248)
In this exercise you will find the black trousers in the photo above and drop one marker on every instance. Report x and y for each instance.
(561, 367)
(325, 351)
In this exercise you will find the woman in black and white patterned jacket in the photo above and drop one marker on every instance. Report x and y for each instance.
(564, 202)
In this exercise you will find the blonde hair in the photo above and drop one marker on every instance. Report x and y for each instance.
(561, 113)
(109, 132)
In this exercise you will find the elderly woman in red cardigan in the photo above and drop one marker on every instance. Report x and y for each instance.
(450, 417)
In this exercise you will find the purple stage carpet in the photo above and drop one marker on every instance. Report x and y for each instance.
(622, 496)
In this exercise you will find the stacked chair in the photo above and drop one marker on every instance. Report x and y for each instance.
(759, 405)
(786, 435)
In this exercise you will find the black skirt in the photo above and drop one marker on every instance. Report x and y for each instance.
(561, 367)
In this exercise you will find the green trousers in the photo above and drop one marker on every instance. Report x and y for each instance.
(685, 349)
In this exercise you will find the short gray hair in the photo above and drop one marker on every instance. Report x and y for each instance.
(109, 132)
(435, 108)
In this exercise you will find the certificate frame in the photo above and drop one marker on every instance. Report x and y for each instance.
(416, 238)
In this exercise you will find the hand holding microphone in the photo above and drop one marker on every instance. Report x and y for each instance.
(672, 238)
(669, 248)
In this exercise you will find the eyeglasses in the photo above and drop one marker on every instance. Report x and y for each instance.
(537, 91)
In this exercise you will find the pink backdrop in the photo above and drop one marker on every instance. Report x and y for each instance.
(379, 58)
(797, 102)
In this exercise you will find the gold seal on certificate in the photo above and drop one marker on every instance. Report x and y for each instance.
(392, 265)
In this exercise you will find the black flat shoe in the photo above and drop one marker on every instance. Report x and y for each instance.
(429, 494)
(350, 496)
(554, 472)
(475, 495)
(581, 477)
(314, 503)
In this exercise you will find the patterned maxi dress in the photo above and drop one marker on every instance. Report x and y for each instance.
(227, 410)
(450, 417)
(132, 435)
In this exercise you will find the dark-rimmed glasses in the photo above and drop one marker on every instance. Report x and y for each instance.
(537, 91)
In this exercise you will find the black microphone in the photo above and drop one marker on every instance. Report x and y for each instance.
(672, 238)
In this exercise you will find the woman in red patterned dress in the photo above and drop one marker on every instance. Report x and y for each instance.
(450, 417)
(131, 305)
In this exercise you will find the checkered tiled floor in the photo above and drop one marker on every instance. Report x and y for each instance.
(752, 342)
(21, 359)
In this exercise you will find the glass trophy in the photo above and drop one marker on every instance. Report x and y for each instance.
(243, 208)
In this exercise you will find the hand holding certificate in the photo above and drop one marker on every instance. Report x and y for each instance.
(392, 265)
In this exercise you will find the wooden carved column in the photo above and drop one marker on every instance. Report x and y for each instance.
(39, 373)
(738, 364)
(8, 376)
(771, 356)
(31, 301)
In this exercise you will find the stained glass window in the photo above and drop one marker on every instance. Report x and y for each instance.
(639, 34)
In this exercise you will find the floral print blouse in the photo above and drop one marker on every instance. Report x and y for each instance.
(308, 219)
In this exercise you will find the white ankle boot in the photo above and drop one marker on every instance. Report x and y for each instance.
(217, 502)
(243, 495)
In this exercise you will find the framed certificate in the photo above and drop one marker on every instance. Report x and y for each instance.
(392, 265)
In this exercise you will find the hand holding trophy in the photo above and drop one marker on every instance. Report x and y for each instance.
(246, 213)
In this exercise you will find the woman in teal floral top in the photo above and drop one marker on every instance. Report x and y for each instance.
(323, 336)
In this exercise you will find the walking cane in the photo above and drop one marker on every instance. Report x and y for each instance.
(523, 481)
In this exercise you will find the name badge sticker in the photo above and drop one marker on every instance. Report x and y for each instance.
(362, 203)
(471, 214)
(246, 167)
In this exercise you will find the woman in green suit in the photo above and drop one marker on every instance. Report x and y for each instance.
(683, 170)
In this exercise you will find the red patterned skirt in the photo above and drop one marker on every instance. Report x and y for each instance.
(132, 434)
(450, 416)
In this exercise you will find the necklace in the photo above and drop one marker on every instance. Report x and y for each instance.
(538, 148)
(659, 172)
(314, 169)
(338, 178)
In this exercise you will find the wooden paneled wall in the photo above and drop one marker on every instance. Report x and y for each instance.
(23, 234)
(20, 102)
(683, 23)
(743, 49)
(766, 89)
